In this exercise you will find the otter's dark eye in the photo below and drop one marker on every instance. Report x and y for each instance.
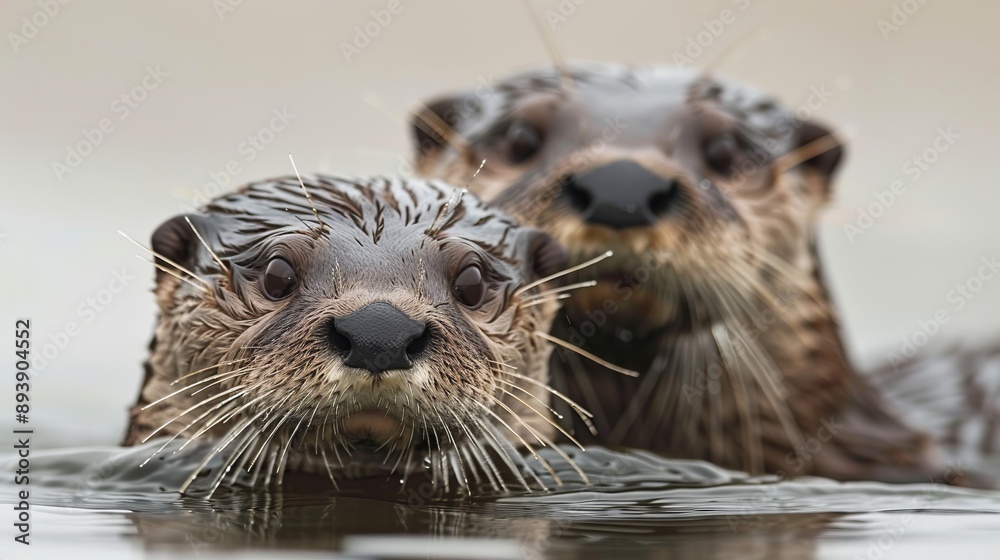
(721, 152)
(523, 141)
(469, 286)
(279, 279)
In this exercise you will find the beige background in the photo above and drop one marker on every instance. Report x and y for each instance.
(226, 76)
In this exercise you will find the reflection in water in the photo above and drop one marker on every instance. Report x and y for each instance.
(638, 505)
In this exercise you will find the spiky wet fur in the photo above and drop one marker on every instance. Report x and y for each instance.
(259, 378)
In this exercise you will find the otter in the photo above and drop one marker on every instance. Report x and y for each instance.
(708, 192)
(350, 327)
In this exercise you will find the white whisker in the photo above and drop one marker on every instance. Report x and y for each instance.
(585, 354)
(165, 259)
(564, 272)
(208, 247)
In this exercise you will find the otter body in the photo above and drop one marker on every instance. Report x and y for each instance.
(369, 323)
(708, 192)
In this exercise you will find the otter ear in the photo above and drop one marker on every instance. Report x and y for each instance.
(425, 123)
(826, 162)
(545, 255)
(175, 240)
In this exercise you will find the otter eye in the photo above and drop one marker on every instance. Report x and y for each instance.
(279, 279)
(721, 152)
(523, 141)
(469, 286)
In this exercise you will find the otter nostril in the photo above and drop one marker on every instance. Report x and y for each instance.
(660, 203)
(578, 198)
(418, 344)
(339, 341)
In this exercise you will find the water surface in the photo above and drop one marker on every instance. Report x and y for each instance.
(97, 503)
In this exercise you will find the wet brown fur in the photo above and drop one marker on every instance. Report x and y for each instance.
(390, 240)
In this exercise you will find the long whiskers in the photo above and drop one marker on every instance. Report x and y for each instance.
(550, 44)
(583, 413)
(322, 226)
(218, 261)
(219, 378)
(585, 354)
(205, 284)
(806, 152)
(535, 298)
(166, 270)
(540, 301)
(564, 272)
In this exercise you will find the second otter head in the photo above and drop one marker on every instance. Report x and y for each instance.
(673, 170)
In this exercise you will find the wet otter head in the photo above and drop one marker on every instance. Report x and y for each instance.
(708, 193)
(378, 323)
(682, 175)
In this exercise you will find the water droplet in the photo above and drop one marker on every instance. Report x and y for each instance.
(625, 335)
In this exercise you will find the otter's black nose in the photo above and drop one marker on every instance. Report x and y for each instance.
(378, 337)
(620, 195)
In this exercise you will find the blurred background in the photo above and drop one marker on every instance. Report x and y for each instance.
(119, 115)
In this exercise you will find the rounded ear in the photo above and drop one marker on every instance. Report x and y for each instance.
(175, 240)
(545, 255)
(827, 160)
(425, 125)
